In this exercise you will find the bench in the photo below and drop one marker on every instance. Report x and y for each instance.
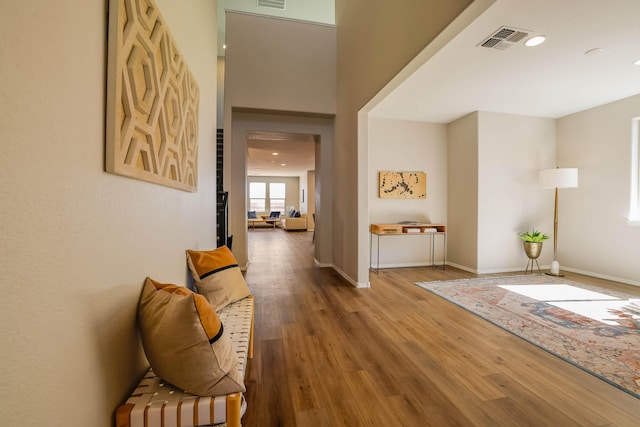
(154, 403)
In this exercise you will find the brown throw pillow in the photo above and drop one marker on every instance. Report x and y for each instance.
(217, 276)
(185, 342)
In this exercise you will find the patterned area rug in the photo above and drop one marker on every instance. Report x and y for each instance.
(595, 329)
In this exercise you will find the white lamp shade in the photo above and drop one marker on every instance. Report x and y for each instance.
(558, 178)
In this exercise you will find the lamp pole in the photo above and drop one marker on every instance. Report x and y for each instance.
(555, 266)
(557, 178)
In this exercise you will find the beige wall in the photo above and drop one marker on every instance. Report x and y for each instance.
(280, 76)
(593, 235)
(310, 199)
(220, 93)
(462, 200)
(77, 242)
(372, 46)
(400, 145)
(279, 64)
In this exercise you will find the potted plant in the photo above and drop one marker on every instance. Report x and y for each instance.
(532, 241)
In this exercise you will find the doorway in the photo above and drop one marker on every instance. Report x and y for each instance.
(251, 131)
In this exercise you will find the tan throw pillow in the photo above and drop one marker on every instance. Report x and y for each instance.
(217, 276)
(185, 342)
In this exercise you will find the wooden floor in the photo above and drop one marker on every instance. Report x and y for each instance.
(328, 354)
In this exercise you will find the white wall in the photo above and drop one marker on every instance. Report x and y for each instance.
(493, 167)
(396, 145)
(77, 242)
(593, 234)
(512, 149)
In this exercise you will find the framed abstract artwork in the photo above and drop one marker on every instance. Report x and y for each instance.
(152, 100)
(402, 185)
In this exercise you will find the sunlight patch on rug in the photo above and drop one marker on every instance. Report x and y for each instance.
(549, 292)
(594, 305)
(608, 312)
(595, 329)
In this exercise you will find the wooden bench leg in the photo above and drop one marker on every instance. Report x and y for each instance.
(234, 404)
(123, 415)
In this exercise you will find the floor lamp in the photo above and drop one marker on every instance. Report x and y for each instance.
(557, 178)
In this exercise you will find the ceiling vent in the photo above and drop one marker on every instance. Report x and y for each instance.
(504, 38)
(274, 4)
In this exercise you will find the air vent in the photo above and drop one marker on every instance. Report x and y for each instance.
(504, 38)
(274, 4)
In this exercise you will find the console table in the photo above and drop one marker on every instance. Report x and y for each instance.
(412, 229)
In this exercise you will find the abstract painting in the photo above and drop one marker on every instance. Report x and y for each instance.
(403, 185)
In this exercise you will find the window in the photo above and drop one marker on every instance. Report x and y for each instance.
(277, 194)
(634, 202)
(263, 198)
(257, 196)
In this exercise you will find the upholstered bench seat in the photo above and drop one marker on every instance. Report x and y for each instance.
(155, 403)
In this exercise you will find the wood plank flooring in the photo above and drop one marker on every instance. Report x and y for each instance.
(328, 354)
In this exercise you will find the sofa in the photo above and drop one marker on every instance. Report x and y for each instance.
(294, 223)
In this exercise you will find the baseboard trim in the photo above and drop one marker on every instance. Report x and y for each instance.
(409, 265)
(344, 275)
(355, 284)
(322, 264)
(546, 267)
(601, 276)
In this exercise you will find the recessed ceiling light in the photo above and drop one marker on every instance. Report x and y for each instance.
(224, 46)
(535, 41)
(283, 164)
(594, 51)
(637, 62)
(274, 154)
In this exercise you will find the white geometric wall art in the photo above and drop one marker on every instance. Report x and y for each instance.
(152, 100)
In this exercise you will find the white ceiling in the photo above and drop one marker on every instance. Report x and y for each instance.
(295, 154)
(551, 80)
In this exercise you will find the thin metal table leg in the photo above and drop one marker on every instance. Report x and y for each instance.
(378, 261)
(444, 251)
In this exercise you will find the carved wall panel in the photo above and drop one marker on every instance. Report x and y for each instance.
(152, 100)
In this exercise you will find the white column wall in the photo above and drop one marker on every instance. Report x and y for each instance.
(512, 149)
(593, 235)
